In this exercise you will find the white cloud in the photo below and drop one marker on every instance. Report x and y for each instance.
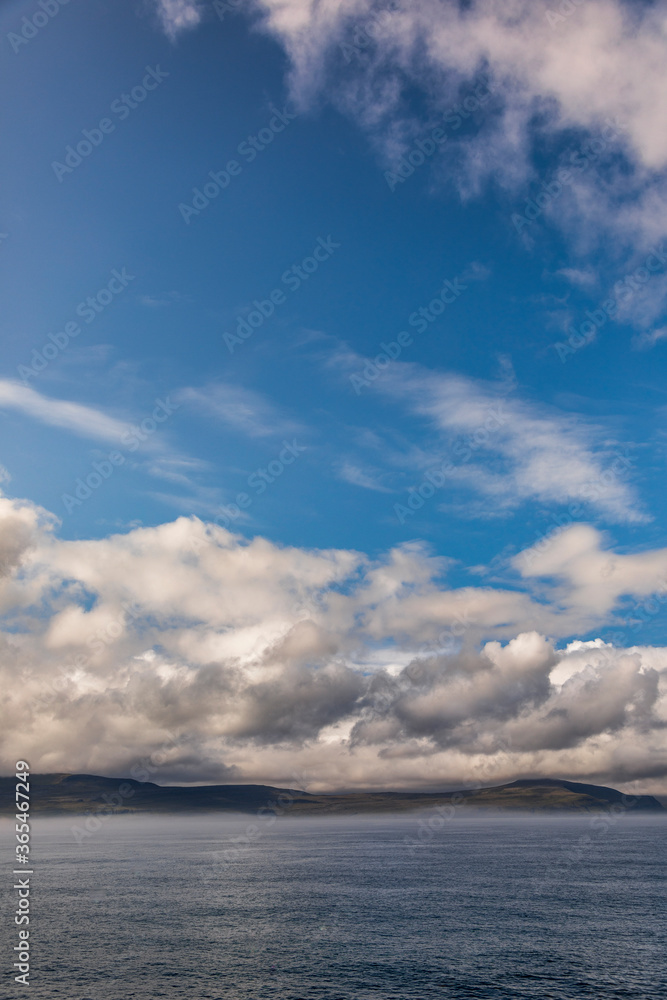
(243, 409)
(177, 16)
(260, 659)
(162, 460)
(645, 341)
(82, 420)
(593, 577)
(556, 84)
(580, 74)
(367, 478)
(511, 451)
(582, 277)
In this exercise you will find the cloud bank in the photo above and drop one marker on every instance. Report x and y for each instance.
(248, 661)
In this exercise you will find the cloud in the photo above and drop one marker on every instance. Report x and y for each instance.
(251, 659)
(21, 525)
(582, 277)
(510, 451)
(176, 16)
(645, 341)
(475, 271)
(368, 479)
(553, 86)
(82, 420)
(176, 469)
(163, 460)
(547, 79)
(240, 408)
(592, 577)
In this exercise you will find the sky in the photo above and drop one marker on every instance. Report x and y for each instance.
(332, 389)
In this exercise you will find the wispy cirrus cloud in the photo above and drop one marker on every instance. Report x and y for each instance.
(367, 478)
(519, 451)
(153, 453)
(649, 338)
(504, 449)
(243, 409)
(85, 421)
(581, 277)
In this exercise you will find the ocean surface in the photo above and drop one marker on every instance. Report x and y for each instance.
(350, 909)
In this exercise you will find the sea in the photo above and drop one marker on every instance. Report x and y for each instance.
(250, 908)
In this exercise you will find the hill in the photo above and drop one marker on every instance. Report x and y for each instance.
(58, 794)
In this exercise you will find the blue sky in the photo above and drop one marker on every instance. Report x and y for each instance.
(496, 422)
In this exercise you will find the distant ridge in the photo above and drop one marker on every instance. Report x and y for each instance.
(63, 793)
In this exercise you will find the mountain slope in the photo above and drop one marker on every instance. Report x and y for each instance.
(82, 793)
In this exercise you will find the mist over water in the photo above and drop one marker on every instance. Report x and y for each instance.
(347, 908)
